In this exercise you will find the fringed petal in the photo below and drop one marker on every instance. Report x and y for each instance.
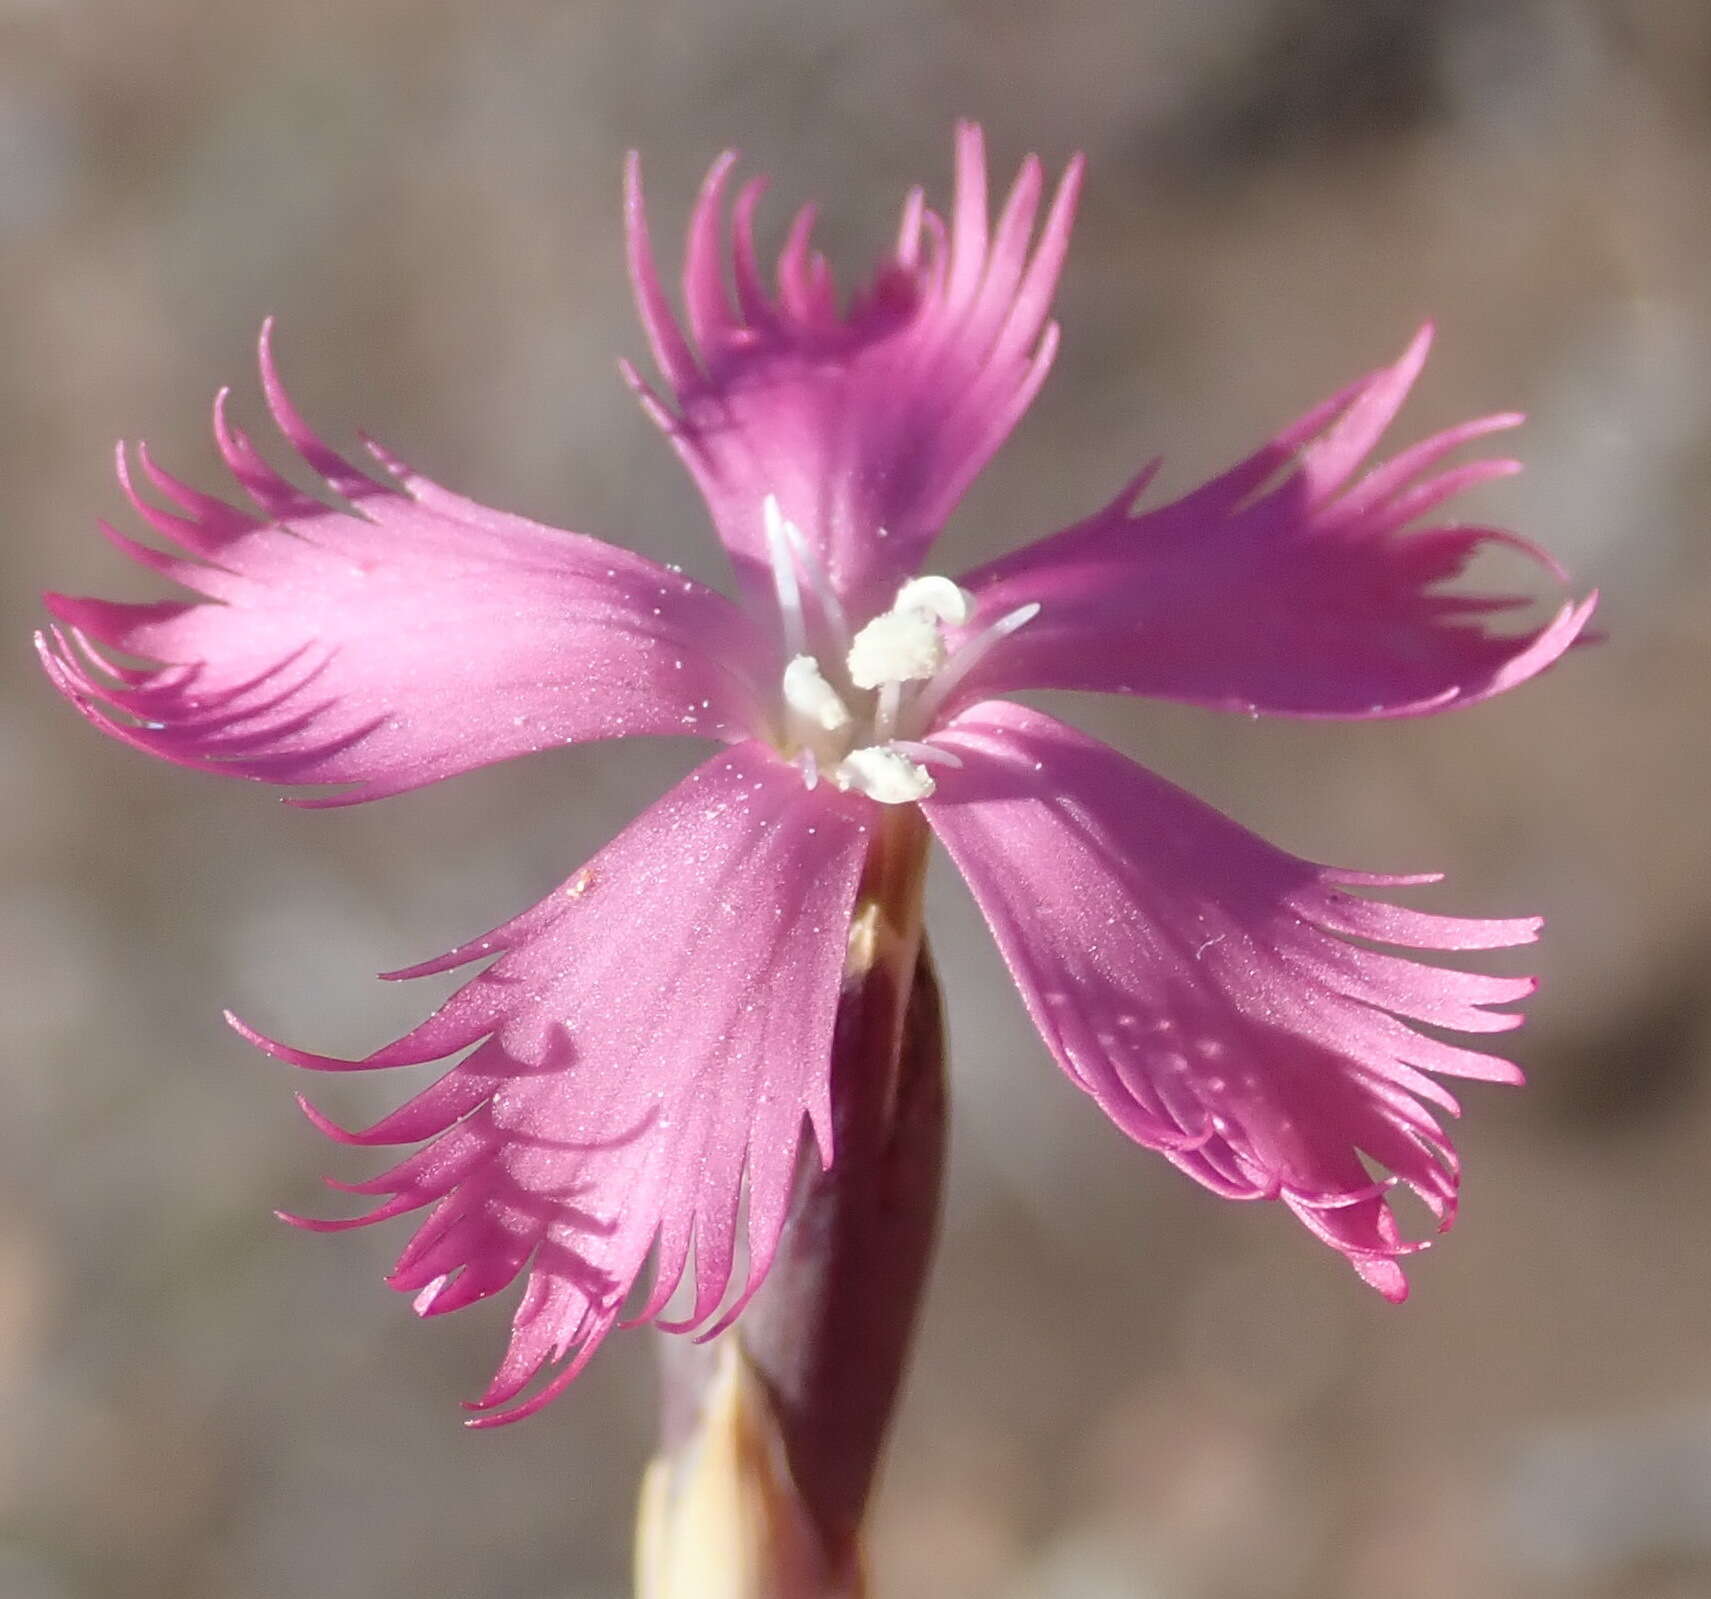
(1198, 983)
(646, 1047)
(1314, 594)
(411, 636)
(867, 422)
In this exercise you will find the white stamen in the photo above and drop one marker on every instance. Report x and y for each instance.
(885, 774)
(902, 657)
(938, 596)
(819, 581)
(933, 697)
(896, 647)
(807, 692)
(784, 575)
(885, 708)
(926, 754)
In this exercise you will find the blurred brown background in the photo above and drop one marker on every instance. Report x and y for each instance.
(1125, 1388)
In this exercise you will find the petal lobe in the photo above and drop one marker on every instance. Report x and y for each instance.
(644, 1054)
(1312, 593)
(1199, 984)
(399, 638)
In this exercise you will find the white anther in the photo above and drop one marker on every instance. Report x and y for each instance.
(939, 597)
(896, 647)
(807, 692)
(884, 774)
(907, 644)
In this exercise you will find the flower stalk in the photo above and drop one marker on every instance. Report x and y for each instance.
(772, 1437)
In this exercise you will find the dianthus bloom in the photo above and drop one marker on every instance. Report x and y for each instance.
(647, 1044)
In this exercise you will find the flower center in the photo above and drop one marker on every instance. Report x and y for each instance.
(861, 712)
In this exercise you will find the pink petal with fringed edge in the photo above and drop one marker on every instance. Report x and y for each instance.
(411, 637)
(867, 421)
(1199, 984)
(647, 1048)
(1316, 595)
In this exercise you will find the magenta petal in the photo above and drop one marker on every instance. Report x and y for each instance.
(1198, 983)
(408, 638)
(867, 421)
(1316, 595)
(647, 1045)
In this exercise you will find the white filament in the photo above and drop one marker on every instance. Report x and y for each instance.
(784, 576)
(927, 754)
(819, 583)
(936, 693)
(794, 559)
(886, 704)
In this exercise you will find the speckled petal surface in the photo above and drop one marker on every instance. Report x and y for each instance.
(409, 637)
(645, 1053)
(1201, 985)
(1288, 586)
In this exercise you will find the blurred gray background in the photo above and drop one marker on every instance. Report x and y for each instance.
(1125, 1387)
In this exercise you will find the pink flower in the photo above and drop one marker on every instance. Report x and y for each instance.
(645, 1045)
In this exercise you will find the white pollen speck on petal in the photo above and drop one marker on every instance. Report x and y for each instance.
(424, 1301)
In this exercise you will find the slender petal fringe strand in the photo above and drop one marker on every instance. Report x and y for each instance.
(641, 1056)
